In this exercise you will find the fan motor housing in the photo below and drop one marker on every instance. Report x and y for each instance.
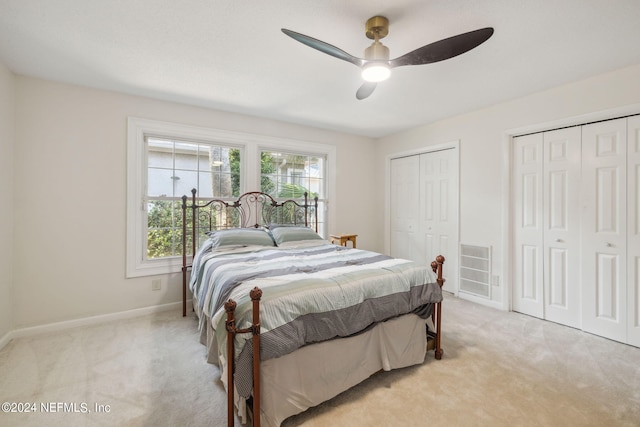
(376, 52)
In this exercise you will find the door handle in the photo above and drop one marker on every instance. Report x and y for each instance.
(609, 245)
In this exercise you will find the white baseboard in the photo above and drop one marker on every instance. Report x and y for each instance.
(480, 300)
(86, 321)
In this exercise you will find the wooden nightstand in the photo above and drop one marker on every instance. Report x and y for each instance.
(344, 238)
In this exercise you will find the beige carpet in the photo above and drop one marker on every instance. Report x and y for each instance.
(498, 369)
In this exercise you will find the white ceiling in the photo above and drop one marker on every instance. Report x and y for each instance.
(231, 55)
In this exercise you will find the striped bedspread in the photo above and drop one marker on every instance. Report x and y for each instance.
(311, 292)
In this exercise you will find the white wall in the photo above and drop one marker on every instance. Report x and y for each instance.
(70, 196)
(484, 162)
(7, 137)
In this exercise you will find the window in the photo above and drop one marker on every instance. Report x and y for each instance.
(173, 169)
(166, 160)
(288, 175)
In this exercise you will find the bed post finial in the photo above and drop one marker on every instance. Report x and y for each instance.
(436, 266)
(255, 294)
(230, 307)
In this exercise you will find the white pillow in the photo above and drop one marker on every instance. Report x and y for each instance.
(293, 234)
(241, 237)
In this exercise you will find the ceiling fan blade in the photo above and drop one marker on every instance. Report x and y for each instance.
(444, 49)
(365, 90)
(324, 47)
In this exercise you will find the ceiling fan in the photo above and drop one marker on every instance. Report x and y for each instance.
(376, 65)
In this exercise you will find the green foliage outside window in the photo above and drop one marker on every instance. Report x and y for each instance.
(164, 218)
(267, 167)
(164, 236)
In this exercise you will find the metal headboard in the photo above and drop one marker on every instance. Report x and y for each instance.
(250, 210)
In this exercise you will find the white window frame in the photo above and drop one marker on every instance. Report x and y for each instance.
(251, 144)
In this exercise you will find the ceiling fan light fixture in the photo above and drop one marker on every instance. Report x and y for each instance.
(376, 72)
(376, 66)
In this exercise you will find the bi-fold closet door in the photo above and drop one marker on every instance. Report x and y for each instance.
(611, 229)
(424, 209)
(633, 230)
(576, 227)
(546, 235)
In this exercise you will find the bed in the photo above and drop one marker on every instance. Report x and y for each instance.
(291, 319)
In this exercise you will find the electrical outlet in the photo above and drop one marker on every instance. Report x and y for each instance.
(156, 284)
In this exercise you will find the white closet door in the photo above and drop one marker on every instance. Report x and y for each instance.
(424, 210)
(439, 211)
(528, 296)
(562, 226)
(633, 232)
(405, 179)
(547, 232)
(604, 230)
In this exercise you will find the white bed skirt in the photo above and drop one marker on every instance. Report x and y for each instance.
(316, 373)
(313, 374)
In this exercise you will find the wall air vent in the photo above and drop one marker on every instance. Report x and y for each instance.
(475, 270)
